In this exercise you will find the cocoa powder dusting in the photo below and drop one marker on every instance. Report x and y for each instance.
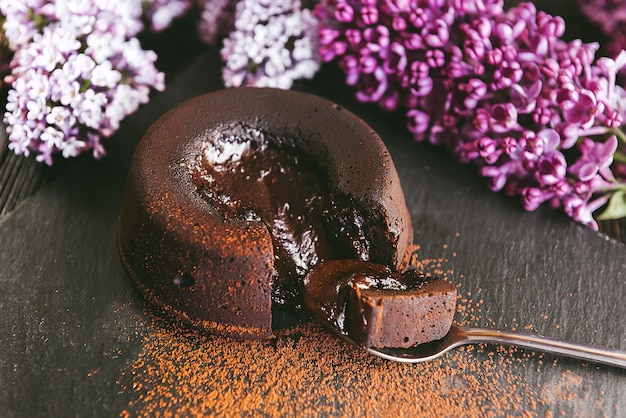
(306, 371)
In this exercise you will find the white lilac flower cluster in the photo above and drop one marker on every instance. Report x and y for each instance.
(272, 44)
(77, 71)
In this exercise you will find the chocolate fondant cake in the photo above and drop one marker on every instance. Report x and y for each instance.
(377, 307)
(232, 197)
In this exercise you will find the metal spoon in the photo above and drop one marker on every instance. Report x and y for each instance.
(465, 335)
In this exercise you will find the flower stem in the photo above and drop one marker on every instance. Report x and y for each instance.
(614, 186)
(619, 134)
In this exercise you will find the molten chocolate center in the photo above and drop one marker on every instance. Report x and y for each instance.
(277, 184)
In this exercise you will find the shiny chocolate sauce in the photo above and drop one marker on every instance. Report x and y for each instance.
(277, 184)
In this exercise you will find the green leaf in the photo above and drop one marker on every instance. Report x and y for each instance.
(616, 208)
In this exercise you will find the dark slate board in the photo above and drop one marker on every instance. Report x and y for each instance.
(67, 305)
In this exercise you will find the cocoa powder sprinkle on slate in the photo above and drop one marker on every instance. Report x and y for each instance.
(312, 373)
(306, 371)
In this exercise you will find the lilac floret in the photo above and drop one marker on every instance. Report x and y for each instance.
(595, 158)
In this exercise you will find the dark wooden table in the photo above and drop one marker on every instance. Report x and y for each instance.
(70, 327)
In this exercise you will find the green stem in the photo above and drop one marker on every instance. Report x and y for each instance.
(615, 186)
(619, 134)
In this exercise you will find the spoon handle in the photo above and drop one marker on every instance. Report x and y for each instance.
(580, 351)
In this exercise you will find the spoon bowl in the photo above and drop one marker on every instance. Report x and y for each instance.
(459, 335)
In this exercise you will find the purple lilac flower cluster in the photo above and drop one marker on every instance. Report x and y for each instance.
(499, 88)
(610, 16)
(77, 71)
(272, 44)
